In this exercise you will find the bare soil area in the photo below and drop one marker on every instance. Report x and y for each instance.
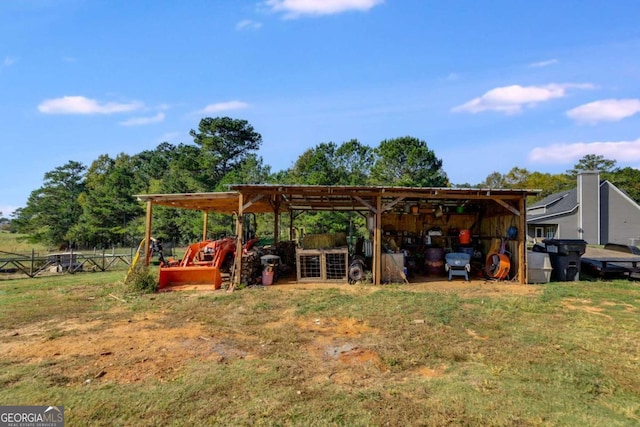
(124, 347)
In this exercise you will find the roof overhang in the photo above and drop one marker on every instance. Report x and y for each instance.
(265, 198)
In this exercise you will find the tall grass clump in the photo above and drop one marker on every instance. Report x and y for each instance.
(142, 280)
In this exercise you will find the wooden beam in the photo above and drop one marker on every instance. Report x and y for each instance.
(276, 218)
(252, 201)
(443, 194)
(377, 246)
(236, 272)
(365, 203)
(205, 220)
(291, 225)
(506, 206)
(147, 233)
(392, 203)
(522, 244)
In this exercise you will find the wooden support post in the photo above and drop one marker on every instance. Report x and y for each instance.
(205, 222)
(147, 233)
(290, 224)
(522, 243)
(276, 218)
(237, 271)
(377, 245)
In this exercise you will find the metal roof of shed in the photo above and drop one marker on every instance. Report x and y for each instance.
(261, 198)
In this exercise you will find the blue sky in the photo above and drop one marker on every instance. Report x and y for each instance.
(489, 85)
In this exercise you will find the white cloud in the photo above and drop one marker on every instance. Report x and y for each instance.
(296, 8)
(8, 61)
(82, 105)
(606, 110)
(224, 106)
(248, 24)
(69, 59)
(139, 121)
(541, 64)
(626, 151)
(511, 99)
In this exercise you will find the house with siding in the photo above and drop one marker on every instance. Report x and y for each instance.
(595, 211)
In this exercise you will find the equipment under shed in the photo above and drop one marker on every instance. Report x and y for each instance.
(421, 223)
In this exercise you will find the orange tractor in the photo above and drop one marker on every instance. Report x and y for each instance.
(202, 263)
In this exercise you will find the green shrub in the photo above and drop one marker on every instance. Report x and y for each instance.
(142, 280)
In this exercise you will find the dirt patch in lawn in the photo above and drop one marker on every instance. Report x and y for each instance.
(458, 286)
(584, 305)
(144, 348)
(134, 349)
(126, 347)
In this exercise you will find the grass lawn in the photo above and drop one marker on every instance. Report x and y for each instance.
(562, 354)
(18, 243)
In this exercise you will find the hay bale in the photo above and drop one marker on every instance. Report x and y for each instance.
(318, 241)
(340, 239)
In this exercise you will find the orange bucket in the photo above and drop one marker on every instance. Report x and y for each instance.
(465, 236)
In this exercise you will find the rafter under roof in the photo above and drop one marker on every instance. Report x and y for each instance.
(264, 198)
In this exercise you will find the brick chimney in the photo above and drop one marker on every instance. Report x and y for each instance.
(589, 206)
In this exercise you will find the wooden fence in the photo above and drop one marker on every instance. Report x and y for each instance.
(15, 265)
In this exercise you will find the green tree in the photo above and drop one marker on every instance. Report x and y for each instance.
(592, 162)
(225, 144)
(548, 183)
(353, 162)
(407, 161)
(110, 213)
(516, 178)
(493, 180)
(466, 185)
(182, 172)
(520, 178)
(316, 166)
(150, 167)
(628, 180)
(53, 209)
(329, 164)
(251, 171)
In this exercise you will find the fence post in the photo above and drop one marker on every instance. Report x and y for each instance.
(33, 254)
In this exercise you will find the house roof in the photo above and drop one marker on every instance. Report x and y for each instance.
(554, 204)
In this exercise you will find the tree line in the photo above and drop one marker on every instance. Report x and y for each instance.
(94, 205)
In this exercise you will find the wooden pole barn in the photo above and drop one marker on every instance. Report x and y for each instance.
(491, 215)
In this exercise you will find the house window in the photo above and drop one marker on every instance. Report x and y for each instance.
(551, 232)
(539, 232)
